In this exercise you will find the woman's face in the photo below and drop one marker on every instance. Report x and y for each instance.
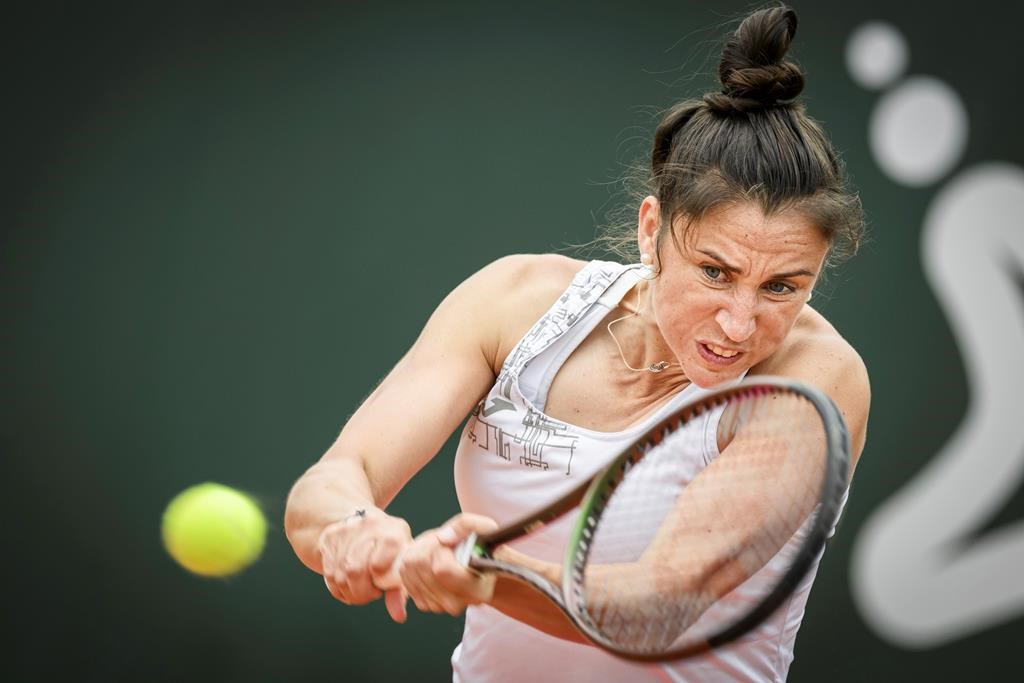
(729, 290)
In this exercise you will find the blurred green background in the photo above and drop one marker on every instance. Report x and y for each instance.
(223, 223)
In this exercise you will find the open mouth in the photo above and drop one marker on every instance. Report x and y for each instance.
(717, 355)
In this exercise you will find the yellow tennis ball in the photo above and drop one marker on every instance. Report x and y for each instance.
(213, 530)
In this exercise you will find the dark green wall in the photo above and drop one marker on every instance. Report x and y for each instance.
(223, 225)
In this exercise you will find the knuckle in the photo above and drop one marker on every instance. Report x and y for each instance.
(445, 567)
(447, 574)
(412, 560)
(326, 550)
(389, 544)
(355, 560)
(441, 566)
(381, 563)
(410, 574)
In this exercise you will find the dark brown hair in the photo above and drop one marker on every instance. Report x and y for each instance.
(751, 142)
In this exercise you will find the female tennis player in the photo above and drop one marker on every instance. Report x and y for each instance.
(563, 362)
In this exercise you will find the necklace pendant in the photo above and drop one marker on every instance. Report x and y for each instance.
(658, 367)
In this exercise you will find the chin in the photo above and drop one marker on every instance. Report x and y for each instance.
(711, 383)
(708, 379)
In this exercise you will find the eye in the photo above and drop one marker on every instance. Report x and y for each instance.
(779, 288)
(712, 272)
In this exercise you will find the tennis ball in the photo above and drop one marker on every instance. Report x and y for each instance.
(213, 530)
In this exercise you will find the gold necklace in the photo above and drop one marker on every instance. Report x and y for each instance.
(653, 367)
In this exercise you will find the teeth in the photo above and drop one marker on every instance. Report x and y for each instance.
(719, 351)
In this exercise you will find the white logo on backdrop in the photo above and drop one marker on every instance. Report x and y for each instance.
(919, 574)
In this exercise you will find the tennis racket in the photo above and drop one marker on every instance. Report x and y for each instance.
(666, 560)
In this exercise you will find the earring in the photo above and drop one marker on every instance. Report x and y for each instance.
(648, 272)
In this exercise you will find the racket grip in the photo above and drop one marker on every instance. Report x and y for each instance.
(464, 551)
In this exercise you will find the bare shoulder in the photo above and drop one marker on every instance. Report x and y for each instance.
(816, 353)
(517, 290)
(815, 348)
(533, 271)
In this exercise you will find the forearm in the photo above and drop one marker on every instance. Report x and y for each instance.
(525, 604)
(635, 592)
(329, 491)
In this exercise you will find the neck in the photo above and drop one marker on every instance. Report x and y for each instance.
(640, 349)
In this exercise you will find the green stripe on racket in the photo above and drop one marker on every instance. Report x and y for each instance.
(666, 561)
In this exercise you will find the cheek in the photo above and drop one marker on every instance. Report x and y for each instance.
(772, 329)
(680, 323)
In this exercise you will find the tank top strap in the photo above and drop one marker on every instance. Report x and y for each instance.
(589, 285)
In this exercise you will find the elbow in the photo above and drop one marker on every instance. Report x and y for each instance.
(292, 510)
(291, 518)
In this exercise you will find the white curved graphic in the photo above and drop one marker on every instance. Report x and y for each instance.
(920, 575)
(918, 131)
(918, 578)
(876, 55)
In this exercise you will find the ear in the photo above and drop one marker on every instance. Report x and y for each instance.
(648, 226)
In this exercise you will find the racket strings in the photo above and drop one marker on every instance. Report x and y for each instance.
(674, 535)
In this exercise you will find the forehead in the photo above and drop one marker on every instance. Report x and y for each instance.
(742, 230)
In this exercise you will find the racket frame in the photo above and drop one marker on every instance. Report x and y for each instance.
(475, 552)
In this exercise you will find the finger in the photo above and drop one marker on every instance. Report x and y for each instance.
(395, 602)
(384, 563)
(328, 556)
(334, 575)
(469, 587)
(416, 576)
(333, 589)
(360, 584)
(454, 596)
(418, 590)
(331, 566)
(450, 597)
(460, 526)
(424, 601)
(337, 582)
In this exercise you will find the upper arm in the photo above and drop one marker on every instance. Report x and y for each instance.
(828, 362)
(451, 365)
(720, 545)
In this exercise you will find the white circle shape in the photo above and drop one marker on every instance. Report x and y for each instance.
(918, 131)
(876, 55)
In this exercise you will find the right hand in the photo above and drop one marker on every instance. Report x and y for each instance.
(434, 578)
(358, 557)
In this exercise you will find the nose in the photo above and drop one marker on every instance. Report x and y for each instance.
(738, 319)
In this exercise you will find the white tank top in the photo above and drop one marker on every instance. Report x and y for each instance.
(512, 458)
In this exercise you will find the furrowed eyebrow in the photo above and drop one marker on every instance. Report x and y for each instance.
(739, 271)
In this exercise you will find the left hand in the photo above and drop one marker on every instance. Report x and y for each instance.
(432, 576)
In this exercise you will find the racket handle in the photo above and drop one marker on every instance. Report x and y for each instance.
(464, 551)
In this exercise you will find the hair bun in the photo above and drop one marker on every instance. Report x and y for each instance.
(752, 70)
